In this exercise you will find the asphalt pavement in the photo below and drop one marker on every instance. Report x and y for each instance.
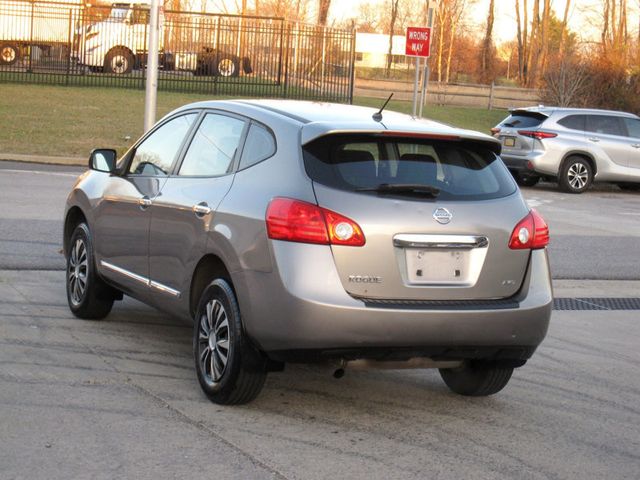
(118, 398)
(595, 235)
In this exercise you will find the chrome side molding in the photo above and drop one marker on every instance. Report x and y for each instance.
(134, 276)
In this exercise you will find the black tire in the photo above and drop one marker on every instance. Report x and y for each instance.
(576, 175)
(629, 186)
(118, 61)
(9, 53)
(95, 299)
(476, 379)
(227, 67)
(526, 179)
(241, 378)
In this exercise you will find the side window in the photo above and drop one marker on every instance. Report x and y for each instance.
(633, 127)
(155, 155)
(604, 124)
(213, 147)
(259, 146)
(574, 122)
(140, 16)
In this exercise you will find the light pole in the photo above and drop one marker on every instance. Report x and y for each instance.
(151, 86)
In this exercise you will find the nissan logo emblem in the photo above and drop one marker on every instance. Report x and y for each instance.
(442, 215)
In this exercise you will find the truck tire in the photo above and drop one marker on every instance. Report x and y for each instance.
(118, 61)
(9, 53)
(227, 67)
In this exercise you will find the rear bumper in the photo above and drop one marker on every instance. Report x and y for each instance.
(303, 306)
(517, 164)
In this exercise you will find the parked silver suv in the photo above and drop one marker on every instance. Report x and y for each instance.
(574, 146)
(303, 232)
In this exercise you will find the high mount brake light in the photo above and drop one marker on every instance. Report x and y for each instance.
(532, 232)
(540, 135)
(297, 221)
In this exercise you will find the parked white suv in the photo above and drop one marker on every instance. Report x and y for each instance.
(575, 146)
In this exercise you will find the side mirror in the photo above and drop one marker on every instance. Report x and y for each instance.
(103, 160)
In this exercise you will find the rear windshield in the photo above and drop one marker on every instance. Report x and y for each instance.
(523, 120)
(460, 171)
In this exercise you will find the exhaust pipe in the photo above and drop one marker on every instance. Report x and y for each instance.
(410, 364)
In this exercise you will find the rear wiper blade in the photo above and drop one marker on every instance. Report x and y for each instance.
(402, 188)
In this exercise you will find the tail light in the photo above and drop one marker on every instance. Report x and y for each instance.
(296, 221)
(540, 135)
(532, 232)
(495, 131)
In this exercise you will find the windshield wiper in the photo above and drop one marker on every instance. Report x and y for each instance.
(402, 188)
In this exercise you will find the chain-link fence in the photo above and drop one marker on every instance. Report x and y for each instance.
(74, 44)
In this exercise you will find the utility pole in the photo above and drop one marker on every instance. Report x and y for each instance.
(151, 86)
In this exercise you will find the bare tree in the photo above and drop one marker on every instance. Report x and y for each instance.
(323, 11)
(394, 15)
(487, 53)
(368, 18)
(520, 43)
(565, 83)
(565, 18)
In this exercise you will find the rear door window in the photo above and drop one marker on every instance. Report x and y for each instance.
(359, 163)
(633, 127)
(605, 124)
(213, 147)
(523, 120)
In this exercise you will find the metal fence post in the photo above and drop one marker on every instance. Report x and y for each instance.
(352, 63)
(323, 74)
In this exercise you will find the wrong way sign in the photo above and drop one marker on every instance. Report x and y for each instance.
(418, 42)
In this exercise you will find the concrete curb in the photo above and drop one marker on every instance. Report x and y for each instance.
(47, 159)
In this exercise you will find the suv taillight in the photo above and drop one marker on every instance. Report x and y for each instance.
(532, 232)
(495, 131)
(537, 134)
(297, 221)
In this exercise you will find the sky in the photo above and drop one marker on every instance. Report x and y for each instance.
(580, 14)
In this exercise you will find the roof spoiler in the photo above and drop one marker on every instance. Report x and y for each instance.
(488, 142)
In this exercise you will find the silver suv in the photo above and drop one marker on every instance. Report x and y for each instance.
(309, 232)
(574, 146)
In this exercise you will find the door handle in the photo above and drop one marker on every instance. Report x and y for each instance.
(594, 139)
(201, 209)
(144, 203)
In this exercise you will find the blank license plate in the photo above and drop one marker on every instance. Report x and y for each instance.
(509, 142)
(437, 266)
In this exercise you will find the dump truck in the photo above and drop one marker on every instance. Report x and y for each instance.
(117, 44)
(26, 26)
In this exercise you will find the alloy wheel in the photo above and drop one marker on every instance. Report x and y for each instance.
(577, 175)
(77, 271)
(213, 342)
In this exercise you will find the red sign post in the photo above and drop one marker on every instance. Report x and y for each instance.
(418, 42)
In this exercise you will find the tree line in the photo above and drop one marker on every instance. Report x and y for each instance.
(545, 54)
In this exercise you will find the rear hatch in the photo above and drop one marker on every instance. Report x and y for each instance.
(514, 143)
(437, 214)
